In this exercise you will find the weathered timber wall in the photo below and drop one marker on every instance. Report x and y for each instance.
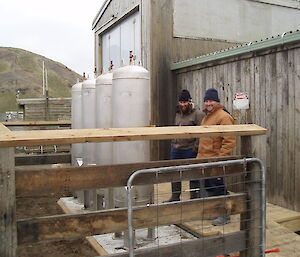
(41, 109)
(272, 79)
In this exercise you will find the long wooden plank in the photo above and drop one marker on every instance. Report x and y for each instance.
(206, 247)
(67, 136)
(81, 225)
(54, 180)
(38, 123)
(8, 231)
(97, 247)
(3, 128)
(40, 159)
(291, 223)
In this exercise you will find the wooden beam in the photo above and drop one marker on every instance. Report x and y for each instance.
(38, 123)
(96, 246)
(291, 223)
(70, 136)
(3, 128)
(54, 180)
(251, 220)
(206, 247)
(40, 159)
(109, 221)
(8, 231)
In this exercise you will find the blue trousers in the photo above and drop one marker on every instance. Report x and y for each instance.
(182, 154)
(194, 184)
(215, 187)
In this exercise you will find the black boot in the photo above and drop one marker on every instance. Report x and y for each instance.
(176, 191)
(194, 189)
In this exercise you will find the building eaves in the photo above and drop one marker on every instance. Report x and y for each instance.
(285, 38)
(100, 13)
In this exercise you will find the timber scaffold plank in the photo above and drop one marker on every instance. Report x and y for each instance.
(47, 137)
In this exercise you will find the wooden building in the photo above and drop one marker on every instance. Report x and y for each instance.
(269, 71)
(51, 109)
(160, 32)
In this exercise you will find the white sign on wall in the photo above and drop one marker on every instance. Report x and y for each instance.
(241, 101)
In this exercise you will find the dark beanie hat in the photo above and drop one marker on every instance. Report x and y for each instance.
(211, 94)
(185, 96)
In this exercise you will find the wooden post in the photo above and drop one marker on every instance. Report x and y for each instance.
(251, 219)
(8, 231)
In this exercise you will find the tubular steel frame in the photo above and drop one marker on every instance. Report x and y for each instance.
(244, 161)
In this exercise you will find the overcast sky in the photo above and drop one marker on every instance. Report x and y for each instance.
(57, 29)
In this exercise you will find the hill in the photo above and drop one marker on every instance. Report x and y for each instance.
(21, 71)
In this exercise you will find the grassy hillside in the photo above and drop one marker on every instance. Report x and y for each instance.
(22, 70)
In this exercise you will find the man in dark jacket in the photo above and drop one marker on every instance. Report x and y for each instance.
(216, 146)
(186, 115)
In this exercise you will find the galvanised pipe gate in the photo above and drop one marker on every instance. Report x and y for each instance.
(181, 168)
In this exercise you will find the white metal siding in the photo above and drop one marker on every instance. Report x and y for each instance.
(123, 38)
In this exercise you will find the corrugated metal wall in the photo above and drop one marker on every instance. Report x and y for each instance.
(272, 79)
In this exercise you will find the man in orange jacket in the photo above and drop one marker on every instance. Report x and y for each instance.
(216, 146)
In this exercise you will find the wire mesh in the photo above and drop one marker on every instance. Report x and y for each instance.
(228, 219)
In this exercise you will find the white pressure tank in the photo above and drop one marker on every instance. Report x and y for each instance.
(76, 117)
(104, 120)
(131, 108)
(89, 118)
(89, 122)
(104, 115)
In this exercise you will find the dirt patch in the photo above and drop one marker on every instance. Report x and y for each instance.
(28, 207)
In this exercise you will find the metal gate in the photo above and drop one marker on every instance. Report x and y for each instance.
(252, 218)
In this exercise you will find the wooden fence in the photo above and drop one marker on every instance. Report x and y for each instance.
(49, 109)
(17, 182)
(271, 77)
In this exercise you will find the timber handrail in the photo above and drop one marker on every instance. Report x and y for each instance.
(70, 136)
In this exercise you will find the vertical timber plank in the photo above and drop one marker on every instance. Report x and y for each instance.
(296, 76)
(273, 127)
(8, 231)
(280, 130)
(250, 221)
(268, 85)
(227, 91)
(197, 90)
(285, 171)
(260, 149)
(290, 153)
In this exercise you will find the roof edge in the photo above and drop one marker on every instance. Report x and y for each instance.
(100, 12)
(287, 37)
